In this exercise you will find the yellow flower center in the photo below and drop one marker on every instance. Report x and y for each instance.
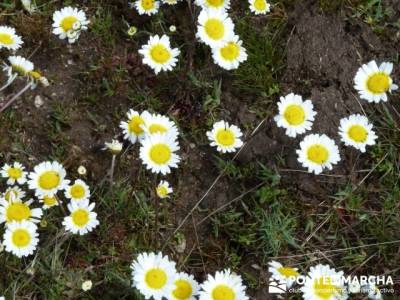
(148, 4)
(157, 128)
(324, 288)
(230, 52)
(77, 191)
(162, 191)
(288, 272)
(183, 290)
(318, 154)
(156, 278)
(160, 54)
(134, 125)
(49, 180)
(358, 133)
(215, 3)
(225, 137)
(68, 23)
(18, 211)
(35, 75)
(21, 238)
(294, 114)
(215, 29)
(6, 39)
(49, 201)
(80, 217)
(14, 173)
(260, 5)
(223, 292)
(160, 154)
(19, 69)
(378, 83)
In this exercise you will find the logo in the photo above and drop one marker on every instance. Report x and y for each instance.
(276, 287)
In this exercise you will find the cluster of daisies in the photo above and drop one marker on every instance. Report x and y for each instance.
(151, 7)
(158, 139)
(318, 152)
(156, 277)
(17, 66)
(47, 181)
(215, 29)
(67, 24)
(321, 282)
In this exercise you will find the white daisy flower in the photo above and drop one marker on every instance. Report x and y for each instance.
(12, 193)
(147, 7)
(283, 274)
(318, 152)
(49, 201)
(18, 66)
(215, 28)
(259, 7)
(324, 283)
(69, 22)
(223, 286)
(295, 115)
(225, 137)
(132, 128)
(47, 179)
(16, 210)
(158, 153)
(14, 173)
(82, 218)
(186, 288)
(171, 2)
(77, 191)
(9, 39)
(156, 123)
(114, 147)
(373, 82)
(158, 54)
(221, 5)
(21, 238)
(163, 189)
(29, 6)
(153, 275)
(356, 131)
(231, 54)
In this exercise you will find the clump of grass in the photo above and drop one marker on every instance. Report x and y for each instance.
(259, 74)
(103, 27)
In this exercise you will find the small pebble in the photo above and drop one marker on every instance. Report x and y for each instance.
(38, 101)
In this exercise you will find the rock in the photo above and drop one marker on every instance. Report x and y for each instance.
(38, 101)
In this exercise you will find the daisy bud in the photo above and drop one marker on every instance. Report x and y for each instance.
(87, 285)
(77, 26)
(132, 31)
(114, 147)
(82, 170)
(72, 34)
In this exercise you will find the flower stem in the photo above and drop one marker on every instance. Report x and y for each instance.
(112, 172)
(5, 106)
